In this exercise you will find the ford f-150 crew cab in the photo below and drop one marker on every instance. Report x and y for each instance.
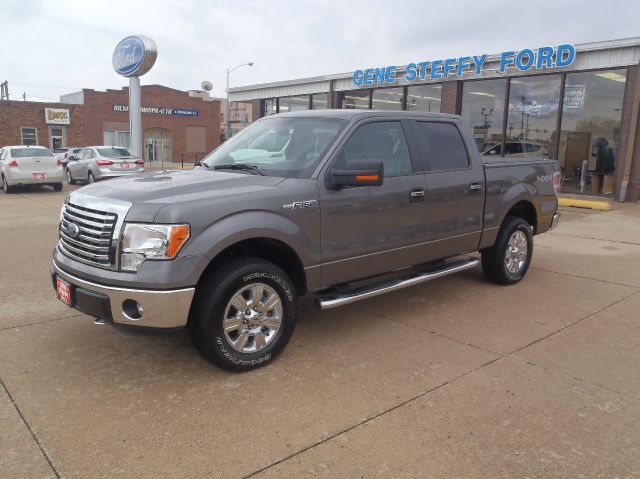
(340, 204)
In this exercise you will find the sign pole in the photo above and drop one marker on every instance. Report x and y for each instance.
(135, 116)
(133, 57)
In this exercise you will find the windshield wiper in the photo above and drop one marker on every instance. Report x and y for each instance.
(239, 166)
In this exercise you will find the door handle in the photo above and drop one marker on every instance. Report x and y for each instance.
(475, 187)
(416, 194)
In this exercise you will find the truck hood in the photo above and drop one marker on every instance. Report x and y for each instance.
(149, 192)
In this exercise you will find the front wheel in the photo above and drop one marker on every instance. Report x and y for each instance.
(243, 314)
(70, 179)
(507, 261)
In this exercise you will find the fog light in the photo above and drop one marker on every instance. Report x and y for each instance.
(132, 309)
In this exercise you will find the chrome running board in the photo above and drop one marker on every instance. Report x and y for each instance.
(330, 301)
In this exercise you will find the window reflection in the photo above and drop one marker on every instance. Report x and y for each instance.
(533, 116)
(319, 101)
(424, 97)
(590, 130)
(387, 99)
(356, 99)
(294, 103)
(483, 109)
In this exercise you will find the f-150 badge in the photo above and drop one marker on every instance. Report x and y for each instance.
(301, 204)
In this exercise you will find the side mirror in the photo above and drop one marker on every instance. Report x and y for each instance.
(357, 173)
(72, 158)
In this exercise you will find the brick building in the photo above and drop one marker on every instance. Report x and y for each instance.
(175, 125)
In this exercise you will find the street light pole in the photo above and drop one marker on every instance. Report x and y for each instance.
(228, 120)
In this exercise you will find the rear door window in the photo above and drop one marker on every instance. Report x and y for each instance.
(441, 146)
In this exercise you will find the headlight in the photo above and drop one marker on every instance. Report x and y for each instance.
(151, 241)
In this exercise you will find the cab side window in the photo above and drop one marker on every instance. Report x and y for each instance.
(441, 146)
(382, 140)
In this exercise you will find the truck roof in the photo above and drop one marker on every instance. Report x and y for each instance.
(351, 114)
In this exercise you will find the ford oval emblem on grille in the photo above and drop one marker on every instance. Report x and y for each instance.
(73, 230)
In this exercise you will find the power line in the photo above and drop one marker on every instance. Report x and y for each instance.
(47, 86)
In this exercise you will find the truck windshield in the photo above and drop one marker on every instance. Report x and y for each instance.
(281, 146)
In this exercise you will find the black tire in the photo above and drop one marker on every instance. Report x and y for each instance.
(495, 264)
(5, 186)
(57, 186)
(70, 179)
(91, 178)
(212, 306)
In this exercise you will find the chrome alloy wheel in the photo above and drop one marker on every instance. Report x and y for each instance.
(252, 317)
(516, 254)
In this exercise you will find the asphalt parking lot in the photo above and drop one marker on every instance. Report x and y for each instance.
(454, 378)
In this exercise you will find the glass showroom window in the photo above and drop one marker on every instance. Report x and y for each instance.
(29, 136)
(387, 99)
(483, 109)
(356, 99)
(270, 106)
(424, 97)
(319, 101)
(533, 116)
(590, 131)
(117, 138)
(293, 103)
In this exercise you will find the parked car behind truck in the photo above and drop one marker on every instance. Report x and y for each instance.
(95, 163)
(357, 204)
(29, 165)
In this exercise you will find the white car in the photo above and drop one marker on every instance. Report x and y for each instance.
(30, 165)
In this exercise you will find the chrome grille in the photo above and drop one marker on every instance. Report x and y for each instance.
(92, 242)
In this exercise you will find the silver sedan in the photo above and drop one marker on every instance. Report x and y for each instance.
(95, 163)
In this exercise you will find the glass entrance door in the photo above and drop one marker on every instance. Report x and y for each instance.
(158, 146)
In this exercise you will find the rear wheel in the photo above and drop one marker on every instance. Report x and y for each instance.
(92, 179)
(243, 314)
(70, 179)
(507, 261)
(5, 186)
(57, 186)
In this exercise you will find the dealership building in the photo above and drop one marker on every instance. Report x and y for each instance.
(176, 125)
(578, 104)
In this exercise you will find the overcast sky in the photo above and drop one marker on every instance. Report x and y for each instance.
(48, 48)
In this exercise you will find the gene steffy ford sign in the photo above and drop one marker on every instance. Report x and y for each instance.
(524, 60)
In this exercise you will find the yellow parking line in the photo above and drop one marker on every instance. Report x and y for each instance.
(591, 204)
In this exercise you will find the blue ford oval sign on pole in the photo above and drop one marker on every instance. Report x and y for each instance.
(133, 57)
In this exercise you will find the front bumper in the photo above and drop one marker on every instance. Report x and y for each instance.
(161, 308)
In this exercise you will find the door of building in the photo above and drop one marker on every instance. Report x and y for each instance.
(57, 137)
(158, 146)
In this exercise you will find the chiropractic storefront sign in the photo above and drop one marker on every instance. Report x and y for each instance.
(523, 60)
(159, 110)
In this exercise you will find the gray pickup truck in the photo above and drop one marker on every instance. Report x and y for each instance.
(340, 204)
